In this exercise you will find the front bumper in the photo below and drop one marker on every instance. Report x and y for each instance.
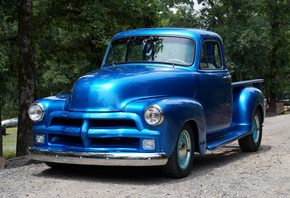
(99, 158)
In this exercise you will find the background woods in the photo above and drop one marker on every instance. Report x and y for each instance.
(46, 45)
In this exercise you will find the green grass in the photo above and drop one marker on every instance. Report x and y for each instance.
(10, 140)
(9, 153)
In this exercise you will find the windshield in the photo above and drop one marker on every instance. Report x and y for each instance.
(173, 50)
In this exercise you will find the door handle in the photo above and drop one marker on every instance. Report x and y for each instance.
(227, 77)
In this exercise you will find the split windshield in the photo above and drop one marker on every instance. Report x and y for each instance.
(172, 50)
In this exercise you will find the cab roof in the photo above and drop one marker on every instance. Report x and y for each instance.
(196, 34)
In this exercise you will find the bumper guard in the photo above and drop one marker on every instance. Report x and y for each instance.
(98, 158)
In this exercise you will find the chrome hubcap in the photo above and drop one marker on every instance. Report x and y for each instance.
(184, 149)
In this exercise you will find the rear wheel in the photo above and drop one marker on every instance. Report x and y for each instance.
(181, 160)
(251, 142)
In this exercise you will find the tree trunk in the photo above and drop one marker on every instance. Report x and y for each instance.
(273, 64)
(272, 104)
(26, 71)
(1, 142)
(234, 12)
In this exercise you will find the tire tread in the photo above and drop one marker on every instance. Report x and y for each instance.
(172, 169)
(247, 143)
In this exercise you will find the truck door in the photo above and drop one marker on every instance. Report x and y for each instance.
(216, 86)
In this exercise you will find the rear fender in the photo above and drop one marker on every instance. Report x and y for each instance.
(245, 102)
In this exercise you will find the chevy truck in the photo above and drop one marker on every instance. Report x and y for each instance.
(161, 95)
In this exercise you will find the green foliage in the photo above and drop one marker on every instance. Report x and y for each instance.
(8, 11)
(8, 57)
(278, 14)
(72, 36)
(185, 17)
(9, 111)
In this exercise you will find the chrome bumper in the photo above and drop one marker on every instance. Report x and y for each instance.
(97, 158)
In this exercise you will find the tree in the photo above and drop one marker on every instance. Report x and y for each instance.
(26, 72)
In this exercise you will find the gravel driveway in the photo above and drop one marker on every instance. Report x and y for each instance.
(226, 172)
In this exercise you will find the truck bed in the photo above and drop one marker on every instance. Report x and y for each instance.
(256, 83)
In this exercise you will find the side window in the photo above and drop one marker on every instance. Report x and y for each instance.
(217, 56)
(210, 56)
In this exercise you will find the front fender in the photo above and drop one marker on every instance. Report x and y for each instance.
(177, 111)
(51, 104)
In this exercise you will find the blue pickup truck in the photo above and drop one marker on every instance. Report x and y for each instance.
(160, 96)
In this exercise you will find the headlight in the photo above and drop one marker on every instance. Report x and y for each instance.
(154, 115)
(36, 112)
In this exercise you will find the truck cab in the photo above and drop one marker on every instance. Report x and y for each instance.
(161, 95)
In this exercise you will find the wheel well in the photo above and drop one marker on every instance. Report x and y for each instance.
(259, 107)
(195, 132)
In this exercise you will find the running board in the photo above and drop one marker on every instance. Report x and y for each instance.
(216, 141)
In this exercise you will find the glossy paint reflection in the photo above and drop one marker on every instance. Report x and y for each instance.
(113, 88)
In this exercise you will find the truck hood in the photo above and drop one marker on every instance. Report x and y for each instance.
(111, 89)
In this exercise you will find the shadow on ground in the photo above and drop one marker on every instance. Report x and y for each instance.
(140, 175)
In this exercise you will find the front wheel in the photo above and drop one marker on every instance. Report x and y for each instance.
(181, 160)
(251, 142)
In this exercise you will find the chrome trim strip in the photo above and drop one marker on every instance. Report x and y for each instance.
(97, 158)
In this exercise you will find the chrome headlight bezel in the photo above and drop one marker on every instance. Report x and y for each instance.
(40, 113)
(154, 109)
